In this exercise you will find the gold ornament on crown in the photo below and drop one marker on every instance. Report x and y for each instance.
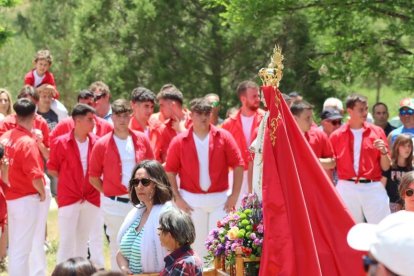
(272, 75)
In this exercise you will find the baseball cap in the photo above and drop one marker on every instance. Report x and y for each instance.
(391, 241)
(331, 114)
(407, 102)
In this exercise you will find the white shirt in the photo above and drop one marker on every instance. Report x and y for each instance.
(202, 154)
(357, 147)
(83, 152)
(127, 153)
(247, 123)
(37, 79)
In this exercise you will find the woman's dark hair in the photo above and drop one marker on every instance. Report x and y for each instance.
(179, 225)
(156, 173)
(74, 267)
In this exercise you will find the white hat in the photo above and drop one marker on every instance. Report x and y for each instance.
(391, 241)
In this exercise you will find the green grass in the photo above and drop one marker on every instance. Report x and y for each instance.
(53, 238)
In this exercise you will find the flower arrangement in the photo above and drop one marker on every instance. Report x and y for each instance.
(242, 228)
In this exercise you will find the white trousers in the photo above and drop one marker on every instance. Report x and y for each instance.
(114, 213)
(96, 240)
(244, 187)
(208, 209)
(365, 200)
(75, 223)
(27, 218)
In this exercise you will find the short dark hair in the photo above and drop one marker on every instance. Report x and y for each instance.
(378, 104)
(244, 85)
(24, 108)
(200, 105)
(81, 109)
(299, 106)
(179, 224)
(170, 92)
(352, 99)
(156, 172)
(142, 94)
(28, 91)
(121, 106)
(85, 94)
(74, 266)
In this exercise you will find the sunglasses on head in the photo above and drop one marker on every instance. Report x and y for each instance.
(409, 192)
(406, 111)
(144, 181)
(336, 122)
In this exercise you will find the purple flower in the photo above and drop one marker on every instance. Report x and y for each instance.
(252, 236)
(260, 228)
(257, 242)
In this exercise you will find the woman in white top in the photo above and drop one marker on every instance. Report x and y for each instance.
(140, 248)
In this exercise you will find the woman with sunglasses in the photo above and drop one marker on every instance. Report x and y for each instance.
(140, 248)
(406, 190)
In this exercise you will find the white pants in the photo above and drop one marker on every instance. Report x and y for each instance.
(208, 209)
(244, 187)
(75, 223)
(114, 213)
(365, 200)
(96, 239)
(27, 218)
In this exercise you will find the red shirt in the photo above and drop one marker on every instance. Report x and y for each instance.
(29, 79)
(154, 129)
(66, 125)
(25, 162)
(342, 141)
(65, 159)
(167, 134)
(223, 153)
(10, 122)
(235, 127)
(105, 161)
(319, 142)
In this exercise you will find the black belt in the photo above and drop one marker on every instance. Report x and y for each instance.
(361, 180)
(120, 199)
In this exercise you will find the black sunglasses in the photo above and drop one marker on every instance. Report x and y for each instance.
(144, 181)
(367, 261)
(100, 96)
(409, 192)
(336, 122)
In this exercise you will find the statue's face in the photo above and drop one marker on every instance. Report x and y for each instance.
(262, 98)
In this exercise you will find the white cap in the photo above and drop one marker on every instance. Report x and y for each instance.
(333, 103)
(391, 241)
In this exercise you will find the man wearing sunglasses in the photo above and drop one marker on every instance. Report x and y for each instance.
(390, 244)
(331, 120)
(361, 152)
(214, 100)
(102, 100)
(202, 157)
(406, 114)
(112, 159)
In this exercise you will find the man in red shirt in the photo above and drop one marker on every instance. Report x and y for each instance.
(201, 156)
(142, 103)
(178, 120)
(113, 158)
(361, 153)
(244, 125)
(27, 198)
(77, 199)
(317, 139)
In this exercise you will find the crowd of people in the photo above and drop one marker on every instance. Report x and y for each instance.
(155, 184)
